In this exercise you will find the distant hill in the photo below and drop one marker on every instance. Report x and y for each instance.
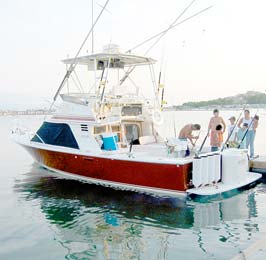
(249, 98)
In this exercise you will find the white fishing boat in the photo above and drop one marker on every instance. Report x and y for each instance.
(107, 136)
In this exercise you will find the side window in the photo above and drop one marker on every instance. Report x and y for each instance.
(99, 130)
(132, 132)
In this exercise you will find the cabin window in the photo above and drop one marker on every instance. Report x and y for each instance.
(132, 110)
(99, 130)
(116, 128)
(58, 134)
(132, 132)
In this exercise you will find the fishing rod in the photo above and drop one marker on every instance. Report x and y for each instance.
(162, 99)
(194, 144)
(251, 123)
(235, 125)
(197, 138)
(74, 63)
(158, 89)
(174, 125)
(204, 140)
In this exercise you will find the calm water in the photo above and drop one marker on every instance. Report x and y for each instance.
(43, 217)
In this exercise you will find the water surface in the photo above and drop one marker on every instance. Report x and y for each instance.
(45, 217)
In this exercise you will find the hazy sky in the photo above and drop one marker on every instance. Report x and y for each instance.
(219, 53)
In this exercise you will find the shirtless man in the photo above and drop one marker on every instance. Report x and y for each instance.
(186, 132)
(214, 122)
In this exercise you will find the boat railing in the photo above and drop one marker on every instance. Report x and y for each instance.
(24, 131)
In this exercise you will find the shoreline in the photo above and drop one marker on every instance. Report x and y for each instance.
(210, 108)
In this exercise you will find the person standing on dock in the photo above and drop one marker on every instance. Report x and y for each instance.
(216, 135)
(252, 127)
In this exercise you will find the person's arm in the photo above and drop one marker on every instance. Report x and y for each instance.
(224, 125)
(229, 131)
(235, 137)
(190, 138)
(209, 126)
(255, 124)
(240, 122)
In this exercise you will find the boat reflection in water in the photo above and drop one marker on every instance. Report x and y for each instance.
(102, 223)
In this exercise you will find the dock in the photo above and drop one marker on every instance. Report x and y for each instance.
(256, 251)
(258, 165)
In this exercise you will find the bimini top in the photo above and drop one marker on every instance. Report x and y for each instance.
(115, 60)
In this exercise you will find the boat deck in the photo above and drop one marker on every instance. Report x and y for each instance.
(148, 153)
(220, 187)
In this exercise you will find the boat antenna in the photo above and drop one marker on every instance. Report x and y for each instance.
(235, 125)
(174, 124)
(173, 25)
(74, 62)
(251, 123)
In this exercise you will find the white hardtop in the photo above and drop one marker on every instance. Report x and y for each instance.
(115, 60)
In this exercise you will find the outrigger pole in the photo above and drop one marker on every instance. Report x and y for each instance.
(73, 64)
(92, 32)
(171, 25)
(162, 33)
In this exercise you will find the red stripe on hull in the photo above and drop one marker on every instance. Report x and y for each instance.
(163, 176)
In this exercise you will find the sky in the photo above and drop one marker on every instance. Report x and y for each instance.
(219, 53)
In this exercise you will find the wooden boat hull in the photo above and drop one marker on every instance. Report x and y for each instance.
(159, 176)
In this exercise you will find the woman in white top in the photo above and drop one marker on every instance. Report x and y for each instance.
(252, 126)
(232, 130)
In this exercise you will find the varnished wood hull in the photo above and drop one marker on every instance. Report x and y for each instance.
(124, 172)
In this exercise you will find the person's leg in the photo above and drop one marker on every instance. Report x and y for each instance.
(251, 143)
(247, 140)
(214, 149)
